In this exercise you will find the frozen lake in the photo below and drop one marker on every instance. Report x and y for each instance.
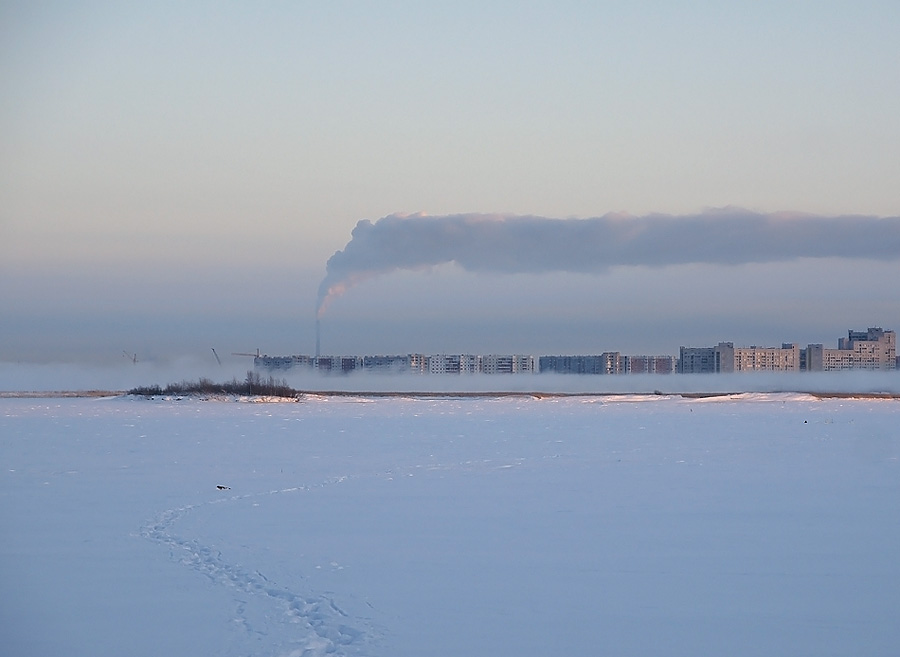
(760, 524)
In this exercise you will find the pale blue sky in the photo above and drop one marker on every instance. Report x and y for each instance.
(174, 176)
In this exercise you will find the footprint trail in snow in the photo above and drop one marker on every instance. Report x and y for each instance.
(320, 625)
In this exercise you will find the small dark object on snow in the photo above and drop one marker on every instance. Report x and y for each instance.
(224, 487)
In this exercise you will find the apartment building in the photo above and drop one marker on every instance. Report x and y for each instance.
(283, 362)
(337, 364)
(649, 364)
(606, 363)
(514, 364)
(453, 364)
(387, 364)
(697, 360)
(873, 349)
(760, 359)
(725, 358)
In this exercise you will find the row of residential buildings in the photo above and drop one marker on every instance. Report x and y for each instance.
(873, 349)
(605, 363)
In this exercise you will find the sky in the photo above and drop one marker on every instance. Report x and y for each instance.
(176, 176)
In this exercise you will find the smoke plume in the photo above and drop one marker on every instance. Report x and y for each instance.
(529, 244)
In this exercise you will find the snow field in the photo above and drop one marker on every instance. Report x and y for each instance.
(759, 524)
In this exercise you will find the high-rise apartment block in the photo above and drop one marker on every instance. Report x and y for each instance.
(452, 364)
(873, 349)
(650, 364)
(516, 364)
(605, 363)
(725, 357)
(760, 359)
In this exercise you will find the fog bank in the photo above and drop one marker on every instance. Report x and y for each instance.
(17, 377)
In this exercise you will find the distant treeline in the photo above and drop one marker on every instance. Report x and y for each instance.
(252, 385)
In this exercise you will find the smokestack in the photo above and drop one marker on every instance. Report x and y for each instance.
(317, 338)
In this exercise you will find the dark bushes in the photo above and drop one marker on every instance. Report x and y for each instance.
(252, 385)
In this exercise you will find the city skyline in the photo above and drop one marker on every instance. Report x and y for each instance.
(176, 177)
(872, 349)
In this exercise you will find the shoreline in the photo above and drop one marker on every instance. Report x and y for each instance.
(59, 394)
(536, 394)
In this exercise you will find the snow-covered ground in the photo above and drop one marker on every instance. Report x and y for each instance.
(643, 525)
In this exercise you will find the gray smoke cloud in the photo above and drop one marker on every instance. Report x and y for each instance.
(530, 244)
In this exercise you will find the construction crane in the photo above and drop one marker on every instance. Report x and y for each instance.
(218, 360)
(235, 353)
(131, 357)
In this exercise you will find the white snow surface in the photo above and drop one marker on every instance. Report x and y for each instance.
(760, 524)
